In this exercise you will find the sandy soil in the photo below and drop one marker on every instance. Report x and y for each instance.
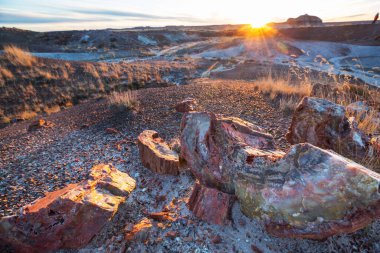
(34, 162)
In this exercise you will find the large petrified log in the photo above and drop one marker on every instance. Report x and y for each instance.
(156, 154)
(324, 124)
(211, 205)
(215, 148)
(310, 193)
(67, 218)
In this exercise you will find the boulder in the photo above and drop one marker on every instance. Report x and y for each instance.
(68, 218)
(187, 105)
(310, 193)
(324, 124)
(211, 205)
(156, 154)
(215, 148)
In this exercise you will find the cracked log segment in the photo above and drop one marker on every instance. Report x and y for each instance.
(156, 154)
(310, 193)
(324, 124)
(211, 205)
(68, 218)
(215, 149)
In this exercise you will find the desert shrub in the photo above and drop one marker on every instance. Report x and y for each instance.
(7, 74)
(19, 57)
(274, 87)
(124, 101)
(91, 70)
(288, 104)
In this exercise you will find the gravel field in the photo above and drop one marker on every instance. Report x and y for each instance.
(49, 159)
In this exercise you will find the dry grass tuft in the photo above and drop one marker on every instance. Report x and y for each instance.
(19, 57)
(276, 87)
(124, 101)
(7, 74)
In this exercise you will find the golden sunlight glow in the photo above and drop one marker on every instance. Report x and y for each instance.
(258, 23)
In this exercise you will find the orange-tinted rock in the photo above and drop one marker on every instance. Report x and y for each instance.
(156, 154)
(70, 217)
(187, 105)
(35, 125)
(324, 124)
(140, 231)
(310, 193)
(211, 205)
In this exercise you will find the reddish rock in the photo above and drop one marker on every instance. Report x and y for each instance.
(211, 205)
(70, 217)
(216, 148)
(156, 154)
(310, 193)
(38, 124)
(324, 124)
(112, 131)
(187, 105)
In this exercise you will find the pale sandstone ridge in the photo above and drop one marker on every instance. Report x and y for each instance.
(68, 218)
(156, 154)
(310, 193)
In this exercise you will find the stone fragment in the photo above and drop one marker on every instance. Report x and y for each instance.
(38, 124)
(156, 154)
(68, 218)
(139, 232)
(310, 193)
(324, 124)
(211, 205)
(187, 105)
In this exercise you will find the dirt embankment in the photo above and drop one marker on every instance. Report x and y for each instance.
(41, 85)
(356, 34)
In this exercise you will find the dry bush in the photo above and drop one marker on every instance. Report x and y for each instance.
(91, 70)
(7, 74)
(276, 87)
(19, 57)
(370, 123)
(124, 101)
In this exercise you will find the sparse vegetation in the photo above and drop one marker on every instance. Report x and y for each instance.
(19, 57)
(124, 101)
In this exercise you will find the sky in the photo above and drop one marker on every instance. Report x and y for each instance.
(48, 15)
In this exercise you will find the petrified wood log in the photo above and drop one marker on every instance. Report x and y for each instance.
(211, 205)
(324, 124)
(68, 218)
(216, 148)
(310, 193)
(156, 154)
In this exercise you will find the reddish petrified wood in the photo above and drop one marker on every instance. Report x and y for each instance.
(310, 193)
(211, 205)
(67, 218)
(216, 148)
(324, 124)
(187, 105)
(156, 154)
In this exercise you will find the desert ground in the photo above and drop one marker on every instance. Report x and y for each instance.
(71, 79)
